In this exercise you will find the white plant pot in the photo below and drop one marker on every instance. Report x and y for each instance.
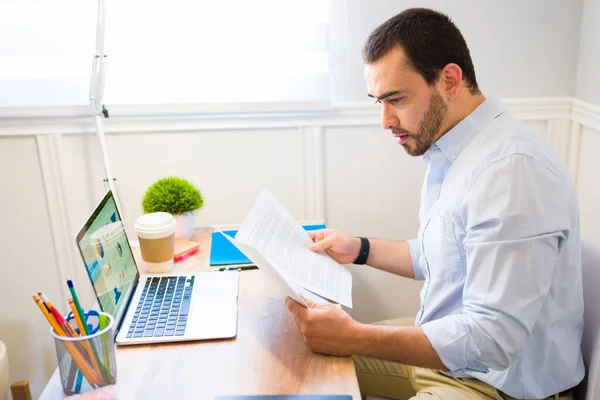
(184, 225)
(3, 372)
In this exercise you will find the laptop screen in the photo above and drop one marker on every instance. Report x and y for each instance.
(108, 259)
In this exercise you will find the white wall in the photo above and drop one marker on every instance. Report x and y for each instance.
(27, 261)
(519, 48)
(588, 81)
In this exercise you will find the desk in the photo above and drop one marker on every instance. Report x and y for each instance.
(268, 356)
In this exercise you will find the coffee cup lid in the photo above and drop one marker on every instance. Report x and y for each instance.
(154, 222)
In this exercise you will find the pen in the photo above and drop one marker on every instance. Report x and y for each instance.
(243, 268)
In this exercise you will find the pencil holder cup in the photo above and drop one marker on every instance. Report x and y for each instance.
(87, 362)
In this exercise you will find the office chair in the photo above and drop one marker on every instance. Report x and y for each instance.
(589, 388)
(3, 372)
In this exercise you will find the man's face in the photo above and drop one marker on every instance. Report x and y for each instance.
(412, 110)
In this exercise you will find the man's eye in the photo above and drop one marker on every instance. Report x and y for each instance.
(396, 100)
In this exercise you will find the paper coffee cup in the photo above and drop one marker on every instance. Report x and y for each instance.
(156, 233)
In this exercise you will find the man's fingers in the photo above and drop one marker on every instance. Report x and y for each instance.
(317, 235)
(309, 302)
(324, 243)
(295, 308)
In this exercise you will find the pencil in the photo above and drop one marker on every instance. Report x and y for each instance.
(77, 357)
(77, 318)
(87, 344)
(69, 331)
(105, 374)
(48, 316)
(78, 306)
(82, 332)
(67, 328)
(62, 322)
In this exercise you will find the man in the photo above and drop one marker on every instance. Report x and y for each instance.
(501, 313)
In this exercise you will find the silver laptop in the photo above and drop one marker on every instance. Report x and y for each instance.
(153, 308)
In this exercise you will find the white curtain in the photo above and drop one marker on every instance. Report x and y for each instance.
(46, 52)
(217, 51)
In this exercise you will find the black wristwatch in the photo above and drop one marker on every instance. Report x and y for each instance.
(363, 254)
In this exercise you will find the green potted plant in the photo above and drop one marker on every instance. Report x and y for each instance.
(178, 197)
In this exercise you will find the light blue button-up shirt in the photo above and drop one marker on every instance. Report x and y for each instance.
(499, 250)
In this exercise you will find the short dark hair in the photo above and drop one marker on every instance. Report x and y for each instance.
(430, 41)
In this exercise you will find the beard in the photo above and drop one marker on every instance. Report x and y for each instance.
(430, 126)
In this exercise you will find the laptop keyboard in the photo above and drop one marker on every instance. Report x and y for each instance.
(163, 307)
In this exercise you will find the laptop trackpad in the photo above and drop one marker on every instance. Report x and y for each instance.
(213, 312)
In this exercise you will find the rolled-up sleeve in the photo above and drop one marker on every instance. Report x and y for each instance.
(515, 221)
(415, 254)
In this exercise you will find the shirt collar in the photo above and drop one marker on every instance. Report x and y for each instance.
(456, 139)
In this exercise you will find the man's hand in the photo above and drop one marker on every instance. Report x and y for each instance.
(341, 247)
(326, 329)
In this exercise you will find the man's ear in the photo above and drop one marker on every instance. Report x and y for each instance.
(451, 78)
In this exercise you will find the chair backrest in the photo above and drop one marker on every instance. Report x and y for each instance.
(3, 372)
(590, 345)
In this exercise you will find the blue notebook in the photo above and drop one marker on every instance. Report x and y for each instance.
(289, 397)
(223, 252)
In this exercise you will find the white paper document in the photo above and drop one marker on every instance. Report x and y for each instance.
(272, 238)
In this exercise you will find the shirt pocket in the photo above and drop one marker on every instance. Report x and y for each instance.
(441, 251)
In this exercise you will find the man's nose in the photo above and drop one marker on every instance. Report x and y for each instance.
(389, 119)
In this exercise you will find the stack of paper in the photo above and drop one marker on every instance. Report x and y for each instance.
(273, 239)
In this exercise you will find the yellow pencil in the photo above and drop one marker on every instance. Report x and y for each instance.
(48, 316)
(77, 357)
(76, 317)
(66, 327)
